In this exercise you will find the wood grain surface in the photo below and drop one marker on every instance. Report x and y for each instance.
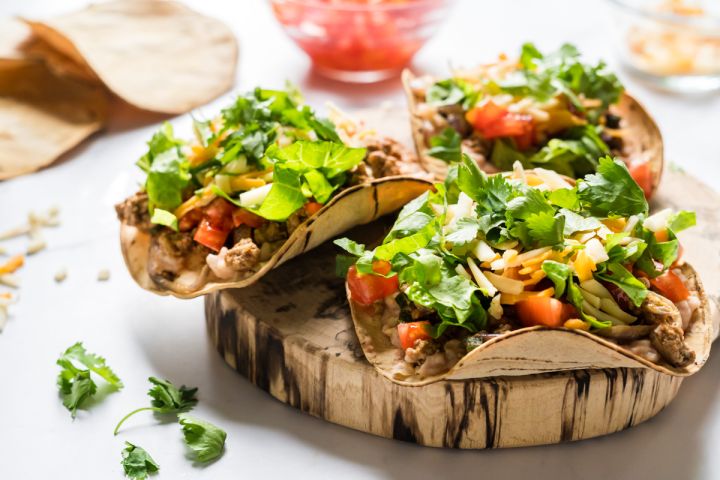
(291, 335)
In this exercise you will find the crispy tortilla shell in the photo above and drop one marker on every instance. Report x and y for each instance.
(43, 116)
(641, 135)
(156, 55)
(354, 206)
(534, 350)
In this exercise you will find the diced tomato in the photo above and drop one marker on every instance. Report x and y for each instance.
(219, 213)
(210, 236)
(190, 219)
(483, 116)
(670, 286)
(642, 174)
(569, 311)
(412, 331)
(243, 217)
(493, 121)
(366, 289)
(216, 224)
(312, 208)
(544, 311)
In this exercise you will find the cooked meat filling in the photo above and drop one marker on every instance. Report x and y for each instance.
(134, 211)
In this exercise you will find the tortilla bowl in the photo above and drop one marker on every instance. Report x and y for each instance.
(354, 206)
(534, 350)
(641, 137)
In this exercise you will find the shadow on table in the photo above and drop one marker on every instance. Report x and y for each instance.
(668, 446)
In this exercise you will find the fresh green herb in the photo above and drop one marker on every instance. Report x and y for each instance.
(166, 398)
(542, 76)
(75, 383)
(137, 463)
(445, 92)
(611, 191)
(204, 439)
(446, 146)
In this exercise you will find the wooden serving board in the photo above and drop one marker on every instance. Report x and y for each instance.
(291, 335)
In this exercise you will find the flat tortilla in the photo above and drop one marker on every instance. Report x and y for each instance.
(43, 116)
(641, 135)
(533, 350)
(156, 55)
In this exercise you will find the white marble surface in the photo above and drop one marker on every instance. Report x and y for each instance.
(142, 334)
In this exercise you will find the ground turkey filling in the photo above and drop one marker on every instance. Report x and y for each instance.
(658, 338)
(247, 248)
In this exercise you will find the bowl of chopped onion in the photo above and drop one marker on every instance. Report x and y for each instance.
(673, 44)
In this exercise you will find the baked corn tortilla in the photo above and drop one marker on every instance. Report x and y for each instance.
(43, 116)
(261, 183)
(485, 285)
(156, 55)
(533, 350)
(500, 117)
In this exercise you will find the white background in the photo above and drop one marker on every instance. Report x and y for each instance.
(142, 334)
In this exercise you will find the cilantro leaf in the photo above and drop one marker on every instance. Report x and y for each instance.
(466, 230)
(611, 191)
(504, 155)
(577, 223)
(163, 217)
(204, 439)
(446, 146)
(166, 398)
(137, 463)
(75, 383)
(545, 229)
(445, 92)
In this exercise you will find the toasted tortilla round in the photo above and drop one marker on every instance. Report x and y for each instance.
(156, 55)
(641, 135)
(533, 350)
(354, 206)
(43, 116)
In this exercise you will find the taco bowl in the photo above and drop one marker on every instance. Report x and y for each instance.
(426, 308)
(542, 128)
(262, 183)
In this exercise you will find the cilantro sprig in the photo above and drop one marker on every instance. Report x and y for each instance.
(166, 399)
(137, 463)
(206, 440)
(75, 379)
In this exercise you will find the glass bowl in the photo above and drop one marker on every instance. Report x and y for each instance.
(360, 40)
(673, 44)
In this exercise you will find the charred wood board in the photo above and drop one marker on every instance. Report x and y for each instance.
(292, 336)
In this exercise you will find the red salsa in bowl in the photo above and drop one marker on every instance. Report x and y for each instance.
(360, 40)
